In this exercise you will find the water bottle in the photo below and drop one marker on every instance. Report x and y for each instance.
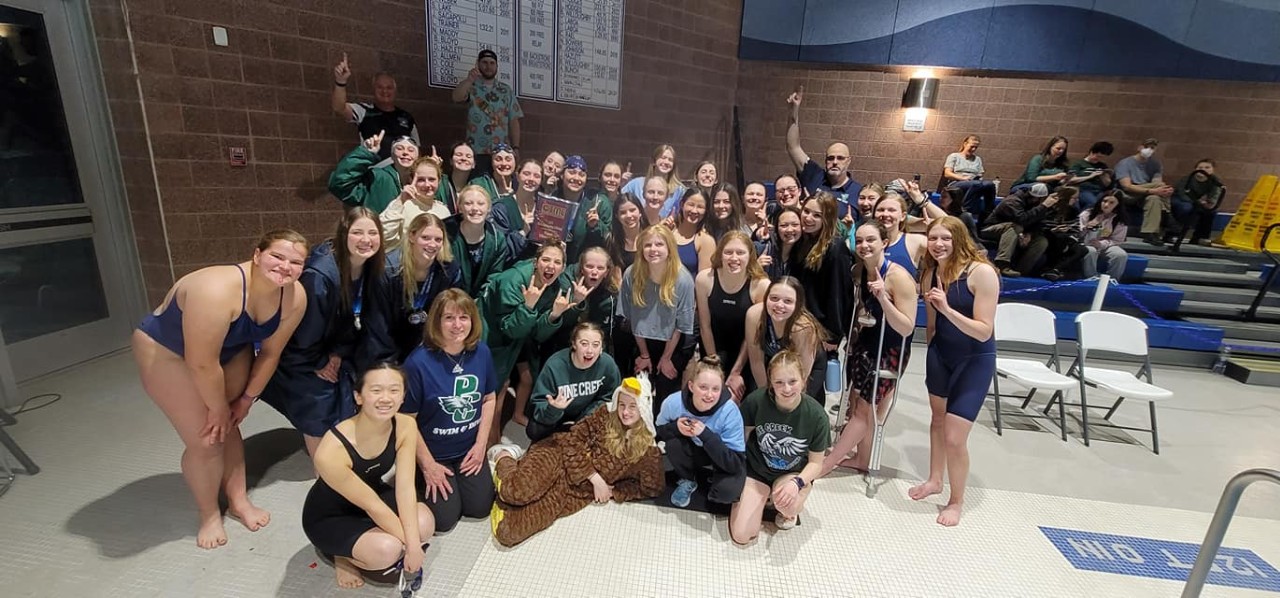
(1220, 366)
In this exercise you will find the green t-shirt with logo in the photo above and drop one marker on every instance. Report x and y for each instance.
(780, 441)
(589, 388)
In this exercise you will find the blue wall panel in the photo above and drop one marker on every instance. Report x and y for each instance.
(848, 32)
(1213, 39)
(1040, 38)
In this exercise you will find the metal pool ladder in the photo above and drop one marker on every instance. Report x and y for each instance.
(1218, 527)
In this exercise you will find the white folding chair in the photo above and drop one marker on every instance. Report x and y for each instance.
(1031, 324)
(1117, 333)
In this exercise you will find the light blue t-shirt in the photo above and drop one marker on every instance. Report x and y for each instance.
(635, 187)
(1139, 173)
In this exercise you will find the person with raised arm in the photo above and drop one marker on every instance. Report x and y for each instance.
(835, 178)
(362, 178)
(381, 114)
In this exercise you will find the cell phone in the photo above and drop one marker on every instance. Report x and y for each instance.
(916, 178)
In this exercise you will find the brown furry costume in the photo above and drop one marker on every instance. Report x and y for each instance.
(552, 479)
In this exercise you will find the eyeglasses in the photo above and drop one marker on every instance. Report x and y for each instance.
(795, 189)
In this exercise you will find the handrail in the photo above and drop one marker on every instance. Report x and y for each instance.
(1252, 312)
(1218, 527)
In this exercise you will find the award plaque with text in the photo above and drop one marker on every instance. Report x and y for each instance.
(552, 217)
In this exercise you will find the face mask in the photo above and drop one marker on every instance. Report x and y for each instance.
(1147, 152)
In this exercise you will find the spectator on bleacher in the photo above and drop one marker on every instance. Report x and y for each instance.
(1062, 229)
(1015, 226)
(663, 167)
(835, 178)
(493, 112)
(361, 178)
(1104, 234)
(381, 114)
(1048, 167)
(1195, 203)
(1091, 175)
(1141, 181)
(963, 171)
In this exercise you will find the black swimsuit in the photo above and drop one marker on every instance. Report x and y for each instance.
(333, 523)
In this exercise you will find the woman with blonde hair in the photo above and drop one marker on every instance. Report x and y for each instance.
(479, 239)
(609, 455)
(725, 291)
(417, 271)
(664, 167)
(787, 431)
(657, 299)
(195, 355)
(960, 291)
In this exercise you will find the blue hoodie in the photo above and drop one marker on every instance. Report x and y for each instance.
(722, 438)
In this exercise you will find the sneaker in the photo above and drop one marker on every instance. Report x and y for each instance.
(1153, 239)
(785, 523)
(1052, 275)
(683, 493)
(1008, 272)
(495, 450)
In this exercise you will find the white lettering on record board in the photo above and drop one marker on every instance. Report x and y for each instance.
(554, 50)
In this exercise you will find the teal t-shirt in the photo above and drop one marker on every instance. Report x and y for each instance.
(780, 441)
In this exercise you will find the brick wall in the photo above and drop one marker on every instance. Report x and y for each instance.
(1238, 124)
(268, 91)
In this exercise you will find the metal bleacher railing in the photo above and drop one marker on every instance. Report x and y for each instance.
(1252, 312)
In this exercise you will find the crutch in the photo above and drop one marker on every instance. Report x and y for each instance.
(877, 434)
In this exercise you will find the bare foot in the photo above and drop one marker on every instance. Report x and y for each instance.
(211, 534)
(348, 574)
(520, 420)
(856, 463)
(249, 516)
(925, 490)
(950, 515)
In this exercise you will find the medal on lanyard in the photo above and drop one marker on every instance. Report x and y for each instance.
(419, 315)
(358, 302)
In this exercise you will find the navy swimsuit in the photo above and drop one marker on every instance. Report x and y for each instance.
(959, 368)
(166, 327)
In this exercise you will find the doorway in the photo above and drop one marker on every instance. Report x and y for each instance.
(70, 286)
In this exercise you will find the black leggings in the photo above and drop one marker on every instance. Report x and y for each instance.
(472, 495)
(662, 385)
(691, 461)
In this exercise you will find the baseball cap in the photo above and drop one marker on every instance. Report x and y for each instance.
(1150, 142)
(487, 53)
(1039, 190)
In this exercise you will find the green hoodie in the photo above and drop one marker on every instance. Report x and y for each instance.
(356, 182)
(510, 321)
(581, 237)
(495, 252)
(589, 388)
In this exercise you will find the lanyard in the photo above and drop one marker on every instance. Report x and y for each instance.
(420, 298)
